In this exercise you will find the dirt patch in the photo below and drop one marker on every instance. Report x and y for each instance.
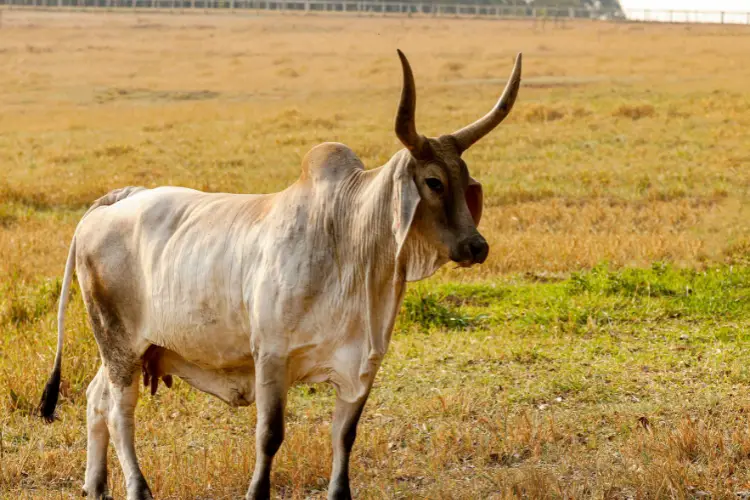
(119, 93)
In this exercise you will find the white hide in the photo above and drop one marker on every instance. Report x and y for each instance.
(314, 273)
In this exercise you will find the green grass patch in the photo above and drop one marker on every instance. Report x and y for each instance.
(23, 303)
(600, 298)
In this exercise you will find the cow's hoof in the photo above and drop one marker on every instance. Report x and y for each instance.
(98, 496)
(140, 495)
(338, 491)
(96, 492)
(139, 491)
(259, 491)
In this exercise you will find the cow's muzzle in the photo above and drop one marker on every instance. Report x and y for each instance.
(471, 250)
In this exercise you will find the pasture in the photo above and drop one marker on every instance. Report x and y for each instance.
(601, 351)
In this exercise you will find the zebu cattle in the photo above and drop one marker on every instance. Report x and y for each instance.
(241, 295)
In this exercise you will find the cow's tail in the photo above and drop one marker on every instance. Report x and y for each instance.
(52, 389)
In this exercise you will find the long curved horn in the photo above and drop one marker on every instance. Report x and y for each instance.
(406, 129)
(472, 133)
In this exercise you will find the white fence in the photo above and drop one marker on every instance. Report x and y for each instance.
(388, 7)
(689, 16)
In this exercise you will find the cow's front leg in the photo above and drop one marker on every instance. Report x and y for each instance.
(343, 433)
(271, 384)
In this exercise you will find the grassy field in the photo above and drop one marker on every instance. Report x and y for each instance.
(601, 351)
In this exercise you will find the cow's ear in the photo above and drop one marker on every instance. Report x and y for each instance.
(474, 200)
(405, 201)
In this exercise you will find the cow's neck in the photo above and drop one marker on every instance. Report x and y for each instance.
(371, 244)
(369, 237)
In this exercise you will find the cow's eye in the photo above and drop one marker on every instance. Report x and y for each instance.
(435, 184)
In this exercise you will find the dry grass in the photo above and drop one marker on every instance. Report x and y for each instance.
(628, 145)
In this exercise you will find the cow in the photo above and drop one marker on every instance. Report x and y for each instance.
(242, 295)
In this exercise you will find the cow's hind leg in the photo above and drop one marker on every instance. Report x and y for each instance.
(270, 398)
(122, 428)
(97, 410)
(121, 354)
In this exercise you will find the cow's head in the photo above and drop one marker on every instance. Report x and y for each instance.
(437, 204)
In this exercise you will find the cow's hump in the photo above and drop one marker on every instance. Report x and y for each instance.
(330, 161)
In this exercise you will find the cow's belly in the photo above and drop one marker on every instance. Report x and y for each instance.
(222, 361)
(215, 346)
(201, 318)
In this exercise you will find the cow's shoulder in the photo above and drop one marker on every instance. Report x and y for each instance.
(330, 161)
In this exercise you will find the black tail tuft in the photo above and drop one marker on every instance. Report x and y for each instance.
(49, 396)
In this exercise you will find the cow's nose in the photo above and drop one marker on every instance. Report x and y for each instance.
(478, 248)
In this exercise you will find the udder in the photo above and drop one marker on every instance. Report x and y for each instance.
(235, 386)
